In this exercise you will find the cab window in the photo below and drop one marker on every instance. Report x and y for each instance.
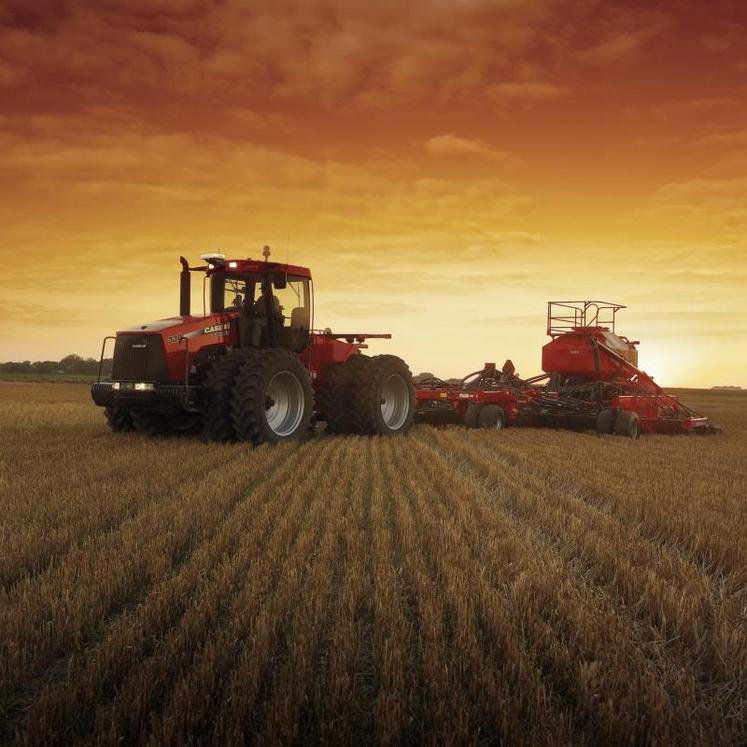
(235, 292)
(232, 292)
(294, 303)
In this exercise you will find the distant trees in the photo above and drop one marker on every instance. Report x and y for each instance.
(70, 364)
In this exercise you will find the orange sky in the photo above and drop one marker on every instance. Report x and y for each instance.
(444, 167)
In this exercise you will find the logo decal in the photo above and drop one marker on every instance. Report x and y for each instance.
(214, 329)
(217, 329)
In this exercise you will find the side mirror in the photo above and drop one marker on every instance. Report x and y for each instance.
(279, 280)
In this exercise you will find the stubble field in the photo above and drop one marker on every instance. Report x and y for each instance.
(453, 586)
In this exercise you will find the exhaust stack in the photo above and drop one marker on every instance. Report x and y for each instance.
(185, 289)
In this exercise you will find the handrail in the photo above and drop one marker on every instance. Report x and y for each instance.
(101, 357)
(584, 314)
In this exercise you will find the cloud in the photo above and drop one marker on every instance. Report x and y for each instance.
(729, 137)
(695, 191)
(704, 207)
(459, 147)
(698, 105)
(622, 32)
(349, 50)
(732, 162)
(620, 48)
(715, 44)
(518, 237)
(43, 314)
(11, 75)
(527, 91)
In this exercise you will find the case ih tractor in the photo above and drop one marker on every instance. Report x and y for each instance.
(251, 367)
(592, 382)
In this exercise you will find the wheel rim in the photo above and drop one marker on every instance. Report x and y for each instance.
(395, 402)
(498, 423)
(284, 403)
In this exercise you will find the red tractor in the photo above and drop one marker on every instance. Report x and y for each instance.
(251, 367)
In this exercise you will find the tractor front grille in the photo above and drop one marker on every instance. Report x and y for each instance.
(139, 358)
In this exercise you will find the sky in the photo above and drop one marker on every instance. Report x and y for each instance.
(445, 167)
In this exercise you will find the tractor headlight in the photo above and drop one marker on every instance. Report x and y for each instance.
(115, 385)
(143, 387)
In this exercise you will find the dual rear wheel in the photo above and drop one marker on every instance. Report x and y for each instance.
(369, 396)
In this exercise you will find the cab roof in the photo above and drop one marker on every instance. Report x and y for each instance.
(257, 265)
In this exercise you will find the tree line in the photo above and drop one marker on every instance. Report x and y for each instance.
(70, 364)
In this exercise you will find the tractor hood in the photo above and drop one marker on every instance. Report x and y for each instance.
(182, 324)
(159, 325)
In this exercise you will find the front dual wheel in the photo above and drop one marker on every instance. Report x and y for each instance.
(271, 399)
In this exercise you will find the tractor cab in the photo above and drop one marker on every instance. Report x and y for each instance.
(270, 304)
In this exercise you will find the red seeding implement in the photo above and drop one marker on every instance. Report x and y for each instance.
(251, 367)
(591, 380)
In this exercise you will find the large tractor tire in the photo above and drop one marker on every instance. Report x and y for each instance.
(150, 423)
(472, 415)
(382, 397)
(627, 424)
(334, 396)
(119, 419)
(272, 399)
(492, 417)
(217, 424)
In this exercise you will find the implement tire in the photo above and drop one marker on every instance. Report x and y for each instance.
(216, 405)
(472, 415)
(492, 417)
(382, 397)
(272, 399)
(334, 395)
(626, 424)
(119, 419)
(606, 421)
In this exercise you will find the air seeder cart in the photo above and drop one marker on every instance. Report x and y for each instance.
(591, 381)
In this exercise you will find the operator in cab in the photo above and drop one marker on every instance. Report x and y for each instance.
(253, 319)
